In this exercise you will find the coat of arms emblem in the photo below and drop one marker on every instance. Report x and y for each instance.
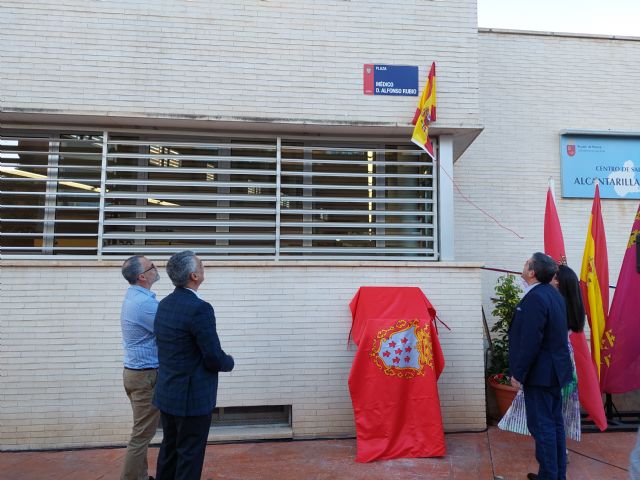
(403, 350)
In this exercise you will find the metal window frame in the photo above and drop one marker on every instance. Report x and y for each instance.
(264, 223)
(56, 187)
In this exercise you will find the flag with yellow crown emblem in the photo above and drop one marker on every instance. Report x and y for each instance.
(594, 280)
(425, 114)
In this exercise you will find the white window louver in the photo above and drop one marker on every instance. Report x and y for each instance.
(113, 195)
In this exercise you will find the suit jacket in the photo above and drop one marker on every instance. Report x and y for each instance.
(538, 341)
(189, 354)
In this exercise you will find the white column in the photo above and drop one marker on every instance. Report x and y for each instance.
(445, 198)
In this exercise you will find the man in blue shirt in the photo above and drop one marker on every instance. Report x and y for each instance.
(140, 361)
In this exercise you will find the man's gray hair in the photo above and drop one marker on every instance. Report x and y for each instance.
(543, 266)
(131, 268)
(180, 266)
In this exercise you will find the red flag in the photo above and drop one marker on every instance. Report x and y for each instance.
(553, 239)
(393, 379)
(588, 385)
(594, 279)
(620, 370)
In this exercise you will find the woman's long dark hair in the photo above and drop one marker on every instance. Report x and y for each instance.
(569, 287)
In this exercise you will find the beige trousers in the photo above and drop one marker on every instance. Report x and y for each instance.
(140, 385)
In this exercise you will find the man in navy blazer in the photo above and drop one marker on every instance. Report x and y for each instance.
(190, 357)
(539, 359)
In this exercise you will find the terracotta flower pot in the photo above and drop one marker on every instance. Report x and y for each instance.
(504, 396)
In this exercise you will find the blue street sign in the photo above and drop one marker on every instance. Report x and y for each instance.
(391, 80)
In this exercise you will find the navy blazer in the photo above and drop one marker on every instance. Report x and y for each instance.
(538, 341)
(189, 354)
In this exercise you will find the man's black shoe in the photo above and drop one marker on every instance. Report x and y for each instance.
(532, 476)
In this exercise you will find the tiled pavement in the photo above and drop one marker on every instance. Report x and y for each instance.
(487, 455)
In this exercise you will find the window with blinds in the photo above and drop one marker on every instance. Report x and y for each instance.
(50, 194)
(117, 194)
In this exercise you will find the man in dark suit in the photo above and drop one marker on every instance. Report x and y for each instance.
(539, 359)
(190, 357)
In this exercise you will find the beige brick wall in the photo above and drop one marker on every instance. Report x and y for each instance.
(273, 60)
(286, 325)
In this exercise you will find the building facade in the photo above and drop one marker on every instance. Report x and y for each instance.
(240, 130)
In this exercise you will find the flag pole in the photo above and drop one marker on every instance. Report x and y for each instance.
(609, 406)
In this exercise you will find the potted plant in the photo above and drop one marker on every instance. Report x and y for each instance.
(507, 297)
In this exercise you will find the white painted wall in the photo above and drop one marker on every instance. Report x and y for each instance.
(532, 88)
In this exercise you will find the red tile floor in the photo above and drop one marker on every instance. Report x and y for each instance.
(488, 455)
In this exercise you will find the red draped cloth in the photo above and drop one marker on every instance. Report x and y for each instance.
(393, 379)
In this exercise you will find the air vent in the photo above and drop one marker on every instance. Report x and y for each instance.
(279, 415)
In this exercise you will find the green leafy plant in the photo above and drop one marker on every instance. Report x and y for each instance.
(505, 302)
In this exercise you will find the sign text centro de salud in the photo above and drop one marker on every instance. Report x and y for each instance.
(614, 162)
(390, 80)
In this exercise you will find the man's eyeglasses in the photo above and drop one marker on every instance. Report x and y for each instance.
(152, 267)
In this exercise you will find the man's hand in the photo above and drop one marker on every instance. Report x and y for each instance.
(515, 383)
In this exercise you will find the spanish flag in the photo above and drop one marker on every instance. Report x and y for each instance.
(594, 279)
(425, 114)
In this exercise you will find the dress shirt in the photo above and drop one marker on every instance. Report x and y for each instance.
(194, 292)
(530, 287)
(136, 319)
